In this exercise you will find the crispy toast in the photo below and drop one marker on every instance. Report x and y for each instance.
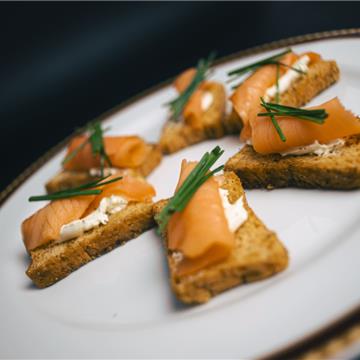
(339, 170)
(258, 254)
(178, 135)
(69, 179)
(55, 261)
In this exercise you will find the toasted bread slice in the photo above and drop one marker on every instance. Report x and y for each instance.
(339, 170)
(55, 261)
(178, 135)
(319, 77)
(258, 254)
(69, 179)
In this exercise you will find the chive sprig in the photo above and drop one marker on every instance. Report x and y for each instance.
(96, 140)
(202, 69)
(274, 111)
(272, 60)
(85, 189)
(198, 176)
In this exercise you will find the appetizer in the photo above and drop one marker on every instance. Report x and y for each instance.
(81, 224)
(93, 155)
(197, 113)
(316, 147)
(214, 240)
(286, 78)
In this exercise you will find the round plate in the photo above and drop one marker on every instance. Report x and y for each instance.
(121, 305)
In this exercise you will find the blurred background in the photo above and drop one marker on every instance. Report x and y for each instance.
(63, 64)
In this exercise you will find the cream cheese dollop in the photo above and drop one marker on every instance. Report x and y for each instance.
(100, 216)
(206, 100)
(316, 148)
(288, 78)
(96, 172)
(235, 213)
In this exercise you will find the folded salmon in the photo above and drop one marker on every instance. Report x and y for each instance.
(203, 219)
(123, 152)
(200, 101)
(298, 132)
(45, 226)
(300, 78)
(126, 154)
(201, 115)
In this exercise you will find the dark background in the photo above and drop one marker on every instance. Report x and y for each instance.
(63, 64)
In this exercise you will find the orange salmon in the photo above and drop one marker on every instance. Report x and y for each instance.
(44, 226)
(123, 152)
(338, 124)
(201, 231)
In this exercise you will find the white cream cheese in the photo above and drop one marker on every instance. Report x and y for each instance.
(206, 100)
(316, 148)
(107, 171)
(235, 213)
(177, 256)
(109, 205)
(288, 78)
(228, 107)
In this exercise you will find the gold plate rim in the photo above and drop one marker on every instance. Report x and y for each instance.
(321, 339)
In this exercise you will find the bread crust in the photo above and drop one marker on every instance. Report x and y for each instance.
(69, 179)
(338, 171)
(258, 254)
(178, 135)
(53, 262)
(319, 77)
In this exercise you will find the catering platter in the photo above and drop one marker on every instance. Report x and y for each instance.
(121, 304)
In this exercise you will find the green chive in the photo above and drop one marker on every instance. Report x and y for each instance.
(177, 105)
(75, 152)
(83, 190)
(274, 110)
(198, 176)
(256, 65)
(96, 141)
(272, 60)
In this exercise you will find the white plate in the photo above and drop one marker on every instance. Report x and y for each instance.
(120, 305)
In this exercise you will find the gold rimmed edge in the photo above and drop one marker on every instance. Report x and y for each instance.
(325, 342)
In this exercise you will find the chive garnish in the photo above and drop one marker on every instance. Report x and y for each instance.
(273, 110)
(196, 178)
(85, 189)
(272, 60)
(96, 141)
(177, 105)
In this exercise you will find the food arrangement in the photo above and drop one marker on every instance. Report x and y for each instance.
(213, 240)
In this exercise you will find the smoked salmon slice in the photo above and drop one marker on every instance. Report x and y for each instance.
(201, 231)
(44, 226)
(193, 110)
(246, 97)
(184, 79)
(123, 152)
(135, 189)
(298, 132)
